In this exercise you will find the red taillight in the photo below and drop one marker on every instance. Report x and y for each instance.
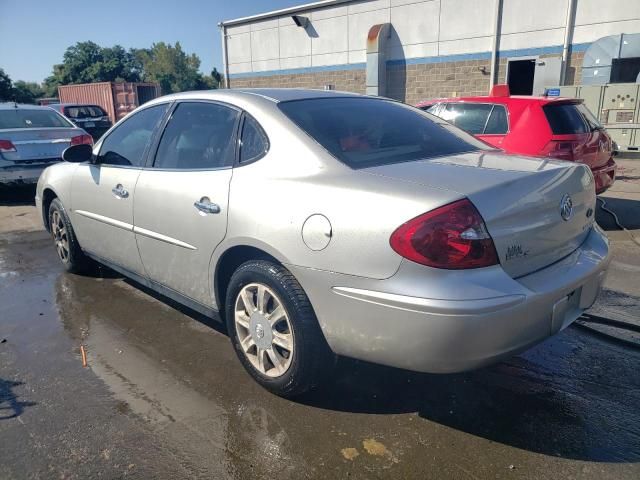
(7, 146)
(562, 150)
(82, 140)
(453, 237)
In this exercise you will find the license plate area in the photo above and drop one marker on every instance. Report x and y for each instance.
(570, 307)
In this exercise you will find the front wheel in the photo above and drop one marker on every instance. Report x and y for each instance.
(69, 252)
(274, 330)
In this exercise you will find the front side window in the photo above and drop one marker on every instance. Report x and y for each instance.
(199, 136)
(28, 118)
(254, 143)
(127, 144)
(363, 132)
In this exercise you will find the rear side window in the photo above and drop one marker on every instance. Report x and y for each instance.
(589, 117)
(254, 143)
(497, 123)
(127, 144)
(27, 118)
(84, 111)
(363, 132)
(565, 119)
(472, 117)
(199, 136)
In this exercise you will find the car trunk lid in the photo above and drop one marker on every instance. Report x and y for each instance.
(519, 198)
(36, 144)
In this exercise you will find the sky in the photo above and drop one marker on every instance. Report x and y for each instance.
(35, 33)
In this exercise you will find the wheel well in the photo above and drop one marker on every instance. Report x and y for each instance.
(47, 197)
(228, 263)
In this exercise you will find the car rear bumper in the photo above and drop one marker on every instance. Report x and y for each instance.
(451, 321)
(16, 174)
(605, 176)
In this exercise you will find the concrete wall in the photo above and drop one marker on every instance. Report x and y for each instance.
(436, 46)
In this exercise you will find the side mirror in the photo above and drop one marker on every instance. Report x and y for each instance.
(78, 153)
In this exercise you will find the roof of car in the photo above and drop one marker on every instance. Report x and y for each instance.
(23, 106)
(273, 94)
(72, 105)
(505, 99)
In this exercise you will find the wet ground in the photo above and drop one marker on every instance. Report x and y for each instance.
(163, 395)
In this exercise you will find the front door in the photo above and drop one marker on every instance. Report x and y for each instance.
(103, 192)
(181, 202)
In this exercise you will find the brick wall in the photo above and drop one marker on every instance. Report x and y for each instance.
(574, 69)
(343, 80)
(413, 83)
(408, 83)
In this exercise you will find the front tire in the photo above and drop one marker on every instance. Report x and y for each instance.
(274, 330)
(69, 252)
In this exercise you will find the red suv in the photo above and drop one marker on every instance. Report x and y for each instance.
(553, 127)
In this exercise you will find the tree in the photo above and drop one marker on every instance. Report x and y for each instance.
(26, 92)
(88, 62)
(165, 64)
(171, 67)
(5, 87)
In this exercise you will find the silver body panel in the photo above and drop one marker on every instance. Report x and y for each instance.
(35, 148)
(371, 303)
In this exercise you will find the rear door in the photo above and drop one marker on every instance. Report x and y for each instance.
(181, 203)
(102, 193)
(487, 121)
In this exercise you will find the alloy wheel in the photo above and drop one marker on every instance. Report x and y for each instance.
(264, 330)
(60, 236)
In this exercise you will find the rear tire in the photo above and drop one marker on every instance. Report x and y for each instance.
(69, 252)
(274, 330)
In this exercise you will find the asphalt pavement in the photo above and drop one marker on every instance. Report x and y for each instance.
(163, 395)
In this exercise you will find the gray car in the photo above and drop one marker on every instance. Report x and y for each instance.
(320, 223)
(31, 139)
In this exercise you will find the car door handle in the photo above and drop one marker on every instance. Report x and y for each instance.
(119, 191)
(205, 205)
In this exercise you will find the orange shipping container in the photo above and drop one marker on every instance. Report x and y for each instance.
(117, 99)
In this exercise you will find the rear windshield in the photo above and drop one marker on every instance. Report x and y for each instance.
(85, 111)
(26, 118)
(364, 132)
(565, 119)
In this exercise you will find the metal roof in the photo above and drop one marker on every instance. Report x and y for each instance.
(275, 95)
(282, 12)
(22, 106)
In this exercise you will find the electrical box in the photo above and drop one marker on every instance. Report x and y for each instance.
(619, 103)
(568, 92)
(592, 96)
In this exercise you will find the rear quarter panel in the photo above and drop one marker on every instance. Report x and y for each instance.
(529, 130)
(270, 200)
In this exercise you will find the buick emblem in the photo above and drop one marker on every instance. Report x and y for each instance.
(566, 207)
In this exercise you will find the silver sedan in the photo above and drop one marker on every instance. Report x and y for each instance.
(31, 139)
(320, 223)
